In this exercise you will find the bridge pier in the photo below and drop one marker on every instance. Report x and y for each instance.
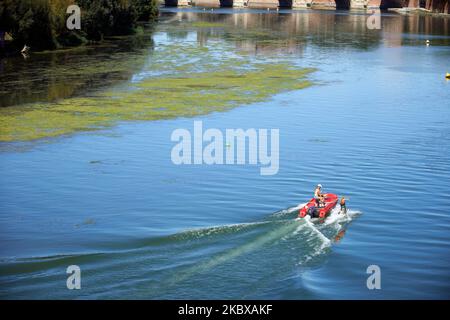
(271, 4)
(213, 3)
(301, 3)
(358, 4)
(442, 6)
(413, 4)
(239, 3)
(323, 4)
(373, 4)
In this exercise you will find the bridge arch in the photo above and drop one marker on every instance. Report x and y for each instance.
(342, 4)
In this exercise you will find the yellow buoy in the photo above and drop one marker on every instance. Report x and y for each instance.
(447, 76)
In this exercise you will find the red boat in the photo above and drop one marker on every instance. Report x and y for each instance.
(330, 201)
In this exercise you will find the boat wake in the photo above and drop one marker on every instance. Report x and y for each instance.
(305, 239)
(237, 259)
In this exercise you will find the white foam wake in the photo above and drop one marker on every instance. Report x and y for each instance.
(336, 220)
(288, 210)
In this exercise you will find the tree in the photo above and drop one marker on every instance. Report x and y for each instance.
(41, 24)
(146, 9)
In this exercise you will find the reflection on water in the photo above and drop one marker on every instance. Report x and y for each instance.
(55, 93)
(260, 32)
(48, 76)
(61, 74)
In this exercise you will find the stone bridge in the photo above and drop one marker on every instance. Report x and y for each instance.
(432, 5)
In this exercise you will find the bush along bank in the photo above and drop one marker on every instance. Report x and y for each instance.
(41, 24)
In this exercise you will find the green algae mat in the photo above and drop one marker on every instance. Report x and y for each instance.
(174, 79)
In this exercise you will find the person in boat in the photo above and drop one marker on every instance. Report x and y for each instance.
(318, 196)
(343, 206)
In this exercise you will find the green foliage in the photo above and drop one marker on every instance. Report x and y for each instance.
(41, 24)
(29, 22)
(146, 9)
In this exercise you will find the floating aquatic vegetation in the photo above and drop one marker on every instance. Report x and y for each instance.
(207, 24)
(152, 99)
(175, 79)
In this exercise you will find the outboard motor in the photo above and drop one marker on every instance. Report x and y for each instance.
(313, 212)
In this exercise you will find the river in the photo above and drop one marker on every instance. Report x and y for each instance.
(87, 177)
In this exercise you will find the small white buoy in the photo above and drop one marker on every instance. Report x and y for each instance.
(428, 42)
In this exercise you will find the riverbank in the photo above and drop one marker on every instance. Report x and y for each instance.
(28, 25)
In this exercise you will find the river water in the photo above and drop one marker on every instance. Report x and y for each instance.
(373, 125)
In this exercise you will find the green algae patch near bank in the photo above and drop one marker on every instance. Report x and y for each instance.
(151, 99)
(207, 24)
